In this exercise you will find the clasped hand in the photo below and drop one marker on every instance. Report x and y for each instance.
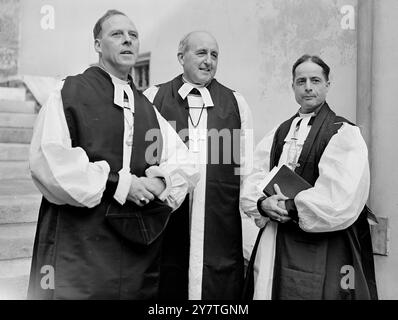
(143, 189)
(274, 206)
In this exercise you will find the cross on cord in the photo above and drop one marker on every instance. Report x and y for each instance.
(195, 137)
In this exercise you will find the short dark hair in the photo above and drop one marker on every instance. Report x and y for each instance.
(98, 26)
(314, 59)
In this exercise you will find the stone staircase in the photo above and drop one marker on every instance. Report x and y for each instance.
(19, 198)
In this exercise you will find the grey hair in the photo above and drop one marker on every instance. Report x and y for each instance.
(183, 45)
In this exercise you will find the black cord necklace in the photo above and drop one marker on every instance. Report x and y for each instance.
(200, 116)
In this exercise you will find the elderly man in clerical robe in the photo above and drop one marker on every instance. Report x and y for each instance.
(202, 257)
(317, 245)
(106, 198)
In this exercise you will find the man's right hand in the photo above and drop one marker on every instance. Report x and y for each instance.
(271, 208)
(138, 192)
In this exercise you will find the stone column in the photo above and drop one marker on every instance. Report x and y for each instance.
(364, 69)
(384, 153)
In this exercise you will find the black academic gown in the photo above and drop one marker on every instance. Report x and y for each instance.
(308, 265)
(91, 259)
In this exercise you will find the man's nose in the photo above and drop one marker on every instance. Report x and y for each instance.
(208, 59)
(308, 86)
(126, 38)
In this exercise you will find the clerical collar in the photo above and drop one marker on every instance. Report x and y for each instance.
(121, 88)
(117, 79)
(194, 84)
(187, 87)
(299, 127)
(306, 115)
(312, 114)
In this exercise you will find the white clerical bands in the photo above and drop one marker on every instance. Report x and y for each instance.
(186, 88)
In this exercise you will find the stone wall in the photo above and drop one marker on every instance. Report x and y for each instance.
(9, 37)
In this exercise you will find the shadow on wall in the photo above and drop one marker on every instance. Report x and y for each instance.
(289, 29)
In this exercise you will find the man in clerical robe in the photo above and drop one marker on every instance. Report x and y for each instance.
(202, 256)
(317, 245)
(106, 199)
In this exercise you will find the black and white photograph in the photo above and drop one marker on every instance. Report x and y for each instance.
(208, 152)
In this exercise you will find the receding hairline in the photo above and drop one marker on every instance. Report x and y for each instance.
(314, 59)
(105, 17)
(183, 44)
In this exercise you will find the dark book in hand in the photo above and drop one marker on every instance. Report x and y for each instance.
(290, 184)
(288, 181)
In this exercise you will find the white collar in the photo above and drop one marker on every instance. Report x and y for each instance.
(302, 133)
(187, 87)
(305, 115)
(121, 87)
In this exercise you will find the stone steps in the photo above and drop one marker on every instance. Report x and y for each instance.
(17, 120)
(14, 170)
(19, 198)
(15, 94)
(19, 209)
(16, 240)
(19, 201)
(14, 278)
(17, 187)
(17, 106)
(15, 135)
(14, 151)
(14, 288)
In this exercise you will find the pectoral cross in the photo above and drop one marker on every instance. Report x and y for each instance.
(129, 140)
(293, 155)
(196, 137)
(294, 165)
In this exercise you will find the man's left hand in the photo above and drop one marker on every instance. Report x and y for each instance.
(154, 185)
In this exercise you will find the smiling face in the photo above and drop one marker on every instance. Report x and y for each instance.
(310, 86)
(117, 45)
(200, 58)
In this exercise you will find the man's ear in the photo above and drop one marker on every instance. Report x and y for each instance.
(180, 58)
(328, 85)
(97, 45)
